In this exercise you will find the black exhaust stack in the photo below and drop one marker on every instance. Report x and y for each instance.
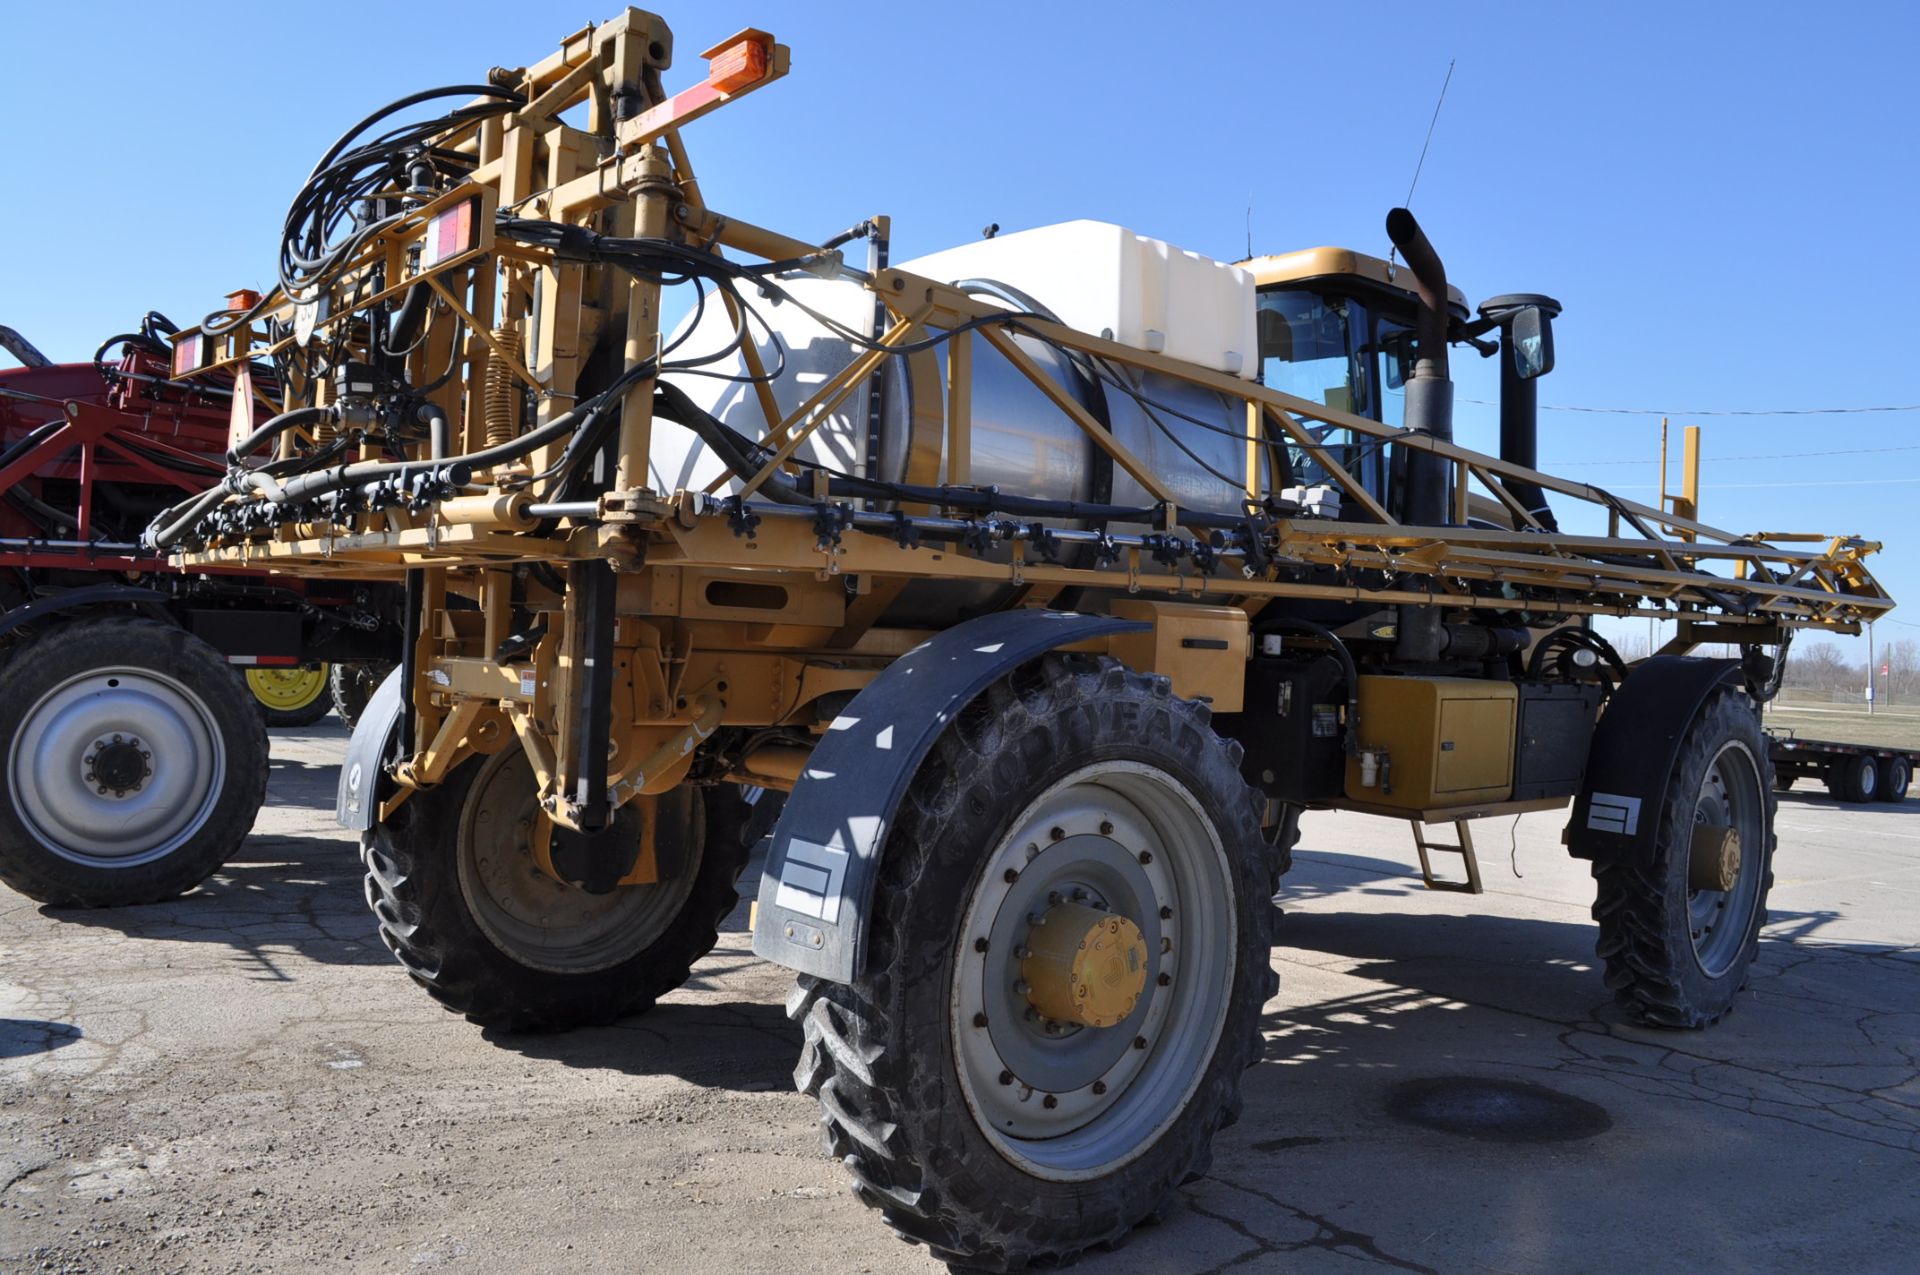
(1429, 405)
(1420, 636)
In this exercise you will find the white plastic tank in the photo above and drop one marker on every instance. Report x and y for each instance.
(1094, 277)
(1108, 281)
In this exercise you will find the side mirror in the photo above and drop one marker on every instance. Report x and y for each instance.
(1530, 342)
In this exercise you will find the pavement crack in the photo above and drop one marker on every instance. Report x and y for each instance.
(1328, 1235)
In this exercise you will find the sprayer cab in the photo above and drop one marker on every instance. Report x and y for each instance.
(1344, 329)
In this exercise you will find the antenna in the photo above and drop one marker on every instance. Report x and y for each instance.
(1422, 162)
(1249, 255)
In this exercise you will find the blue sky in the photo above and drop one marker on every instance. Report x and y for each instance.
(1721, 195)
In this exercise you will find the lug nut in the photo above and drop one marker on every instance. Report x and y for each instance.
(1165, 979)
(1006, 1077)
(1166, 914)
(979, 1020)
(1021, 987)
(1139, 1042)
(1106, 827)
(1058, 834)
(1010, 875)
(980, 945)
(1146, 857)
(1099, 1087)
(1049, 1102)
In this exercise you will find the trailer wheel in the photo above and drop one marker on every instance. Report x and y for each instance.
(135, 763)
(353, 684)
(1895, 779)
(1078, 838)
(463, 906)
(295, 696)
(1679, 933)
(1859, 779)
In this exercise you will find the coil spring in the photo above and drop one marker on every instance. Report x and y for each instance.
(503, 388)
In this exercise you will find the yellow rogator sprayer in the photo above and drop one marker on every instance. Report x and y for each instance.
(1037, 585)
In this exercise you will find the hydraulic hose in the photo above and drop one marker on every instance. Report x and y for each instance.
(299, 416)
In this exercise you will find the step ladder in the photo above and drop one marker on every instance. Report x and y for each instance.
(1464, 849)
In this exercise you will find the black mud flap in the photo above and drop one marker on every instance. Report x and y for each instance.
(373, 737)
(816, 894)
(1635, 747)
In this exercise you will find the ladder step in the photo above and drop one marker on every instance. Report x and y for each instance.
(1472, 885)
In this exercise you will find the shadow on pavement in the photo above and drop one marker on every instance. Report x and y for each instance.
(280, 897)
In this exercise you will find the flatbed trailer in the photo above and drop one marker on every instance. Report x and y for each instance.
(1857, 773)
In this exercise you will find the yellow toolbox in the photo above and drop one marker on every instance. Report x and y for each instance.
(1439, 741)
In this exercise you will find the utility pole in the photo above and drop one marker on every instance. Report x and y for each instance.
(1869, 668)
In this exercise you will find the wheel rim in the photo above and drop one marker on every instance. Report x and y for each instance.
(287, 690)
(538, 921)
(1730, 796)
(1128, 838)
(116, 767)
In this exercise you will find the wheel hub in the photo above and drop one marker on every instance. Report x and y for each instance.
(1084, 965)
(1098, 958)
(1714, 862)
(118, 765)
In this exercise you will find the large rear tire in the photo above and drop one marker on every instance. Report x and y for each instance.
(293, 696)
(1678, 953)
(463, 906)
(134, 763)
(997, 1135)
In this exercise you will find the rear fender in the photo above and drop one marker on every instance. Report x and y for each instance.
(1617, 814)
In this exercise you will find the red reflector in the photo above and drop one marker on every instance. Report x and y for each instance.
(449, 233)
(186, 354)
(738, 64)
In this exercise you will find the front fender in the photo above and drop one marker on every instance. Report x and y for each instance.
(373, 736)
(816, 893)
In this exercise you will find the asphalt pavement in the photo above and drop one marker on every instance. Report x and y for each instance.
(243, 1080)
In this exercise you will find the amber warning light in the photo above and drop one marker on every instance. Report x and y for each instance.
(737, 62)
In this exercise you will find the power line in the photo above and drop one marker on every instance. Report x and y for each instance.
(1844, 451)
(1795, 484)
(1681, 411)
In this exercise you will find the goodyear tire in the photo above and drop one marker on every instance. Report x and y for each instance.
(997, 1137)
(292, 696)
(134, 763)
(462, 905)
(352, 684)
(1677, 953)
